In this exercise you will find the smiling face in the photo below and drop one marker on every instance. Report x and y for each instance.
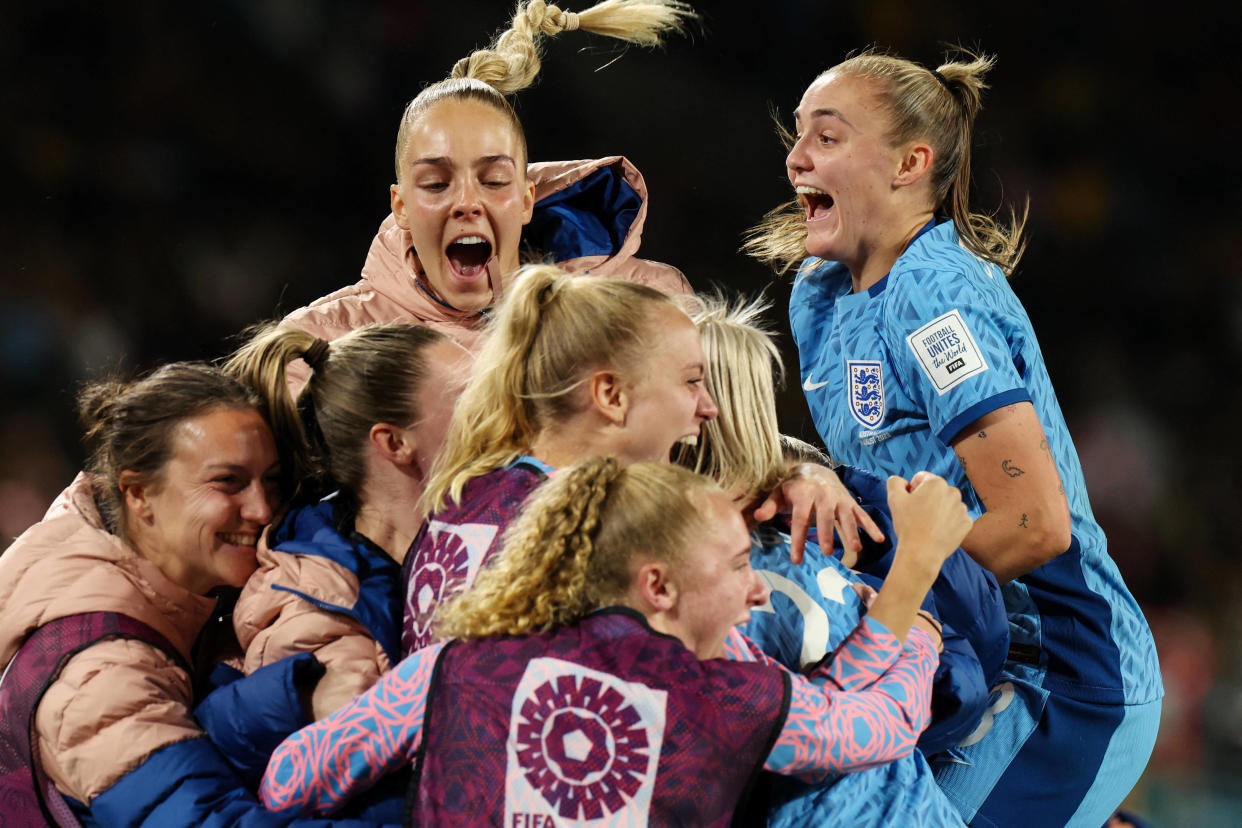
(844, 170)
(464, 197)
(668, 398)
(716, 585)
(200, 520)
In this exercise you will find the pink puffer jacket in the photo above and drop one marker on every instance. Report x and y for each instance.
(118, 701)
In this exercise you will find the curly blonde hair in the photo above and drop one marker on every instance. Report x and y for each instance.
(937, 106)
(574, 547)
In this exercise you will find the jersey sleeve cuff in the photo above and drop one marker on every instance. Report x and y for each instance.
(954, 426)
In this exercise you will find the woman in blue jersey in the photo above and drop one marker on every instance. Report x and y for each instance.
(814, 605)
(916, 354)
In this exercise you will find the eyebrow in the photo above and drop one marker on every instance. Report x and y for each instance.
(824, 112)
(443, 161)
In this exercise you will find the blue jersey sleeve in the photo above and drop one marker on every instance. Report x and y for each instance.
(949, 338)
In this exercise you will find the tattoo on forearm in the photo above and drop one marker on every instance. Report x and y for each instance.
(1022, 523)
(982, 435)
(1010, 469)
(962, 460)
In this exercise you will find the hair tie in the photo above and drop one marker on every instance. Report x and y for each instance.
(569, 21)
(314, 355)
(943, 80)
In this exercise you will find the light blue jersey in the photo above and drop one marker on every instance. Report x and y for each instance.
(893, 374)
(811, 611)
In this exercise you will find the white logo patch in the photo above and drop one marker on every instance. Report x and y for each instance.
(946, 351)
(583, 748)
(866, 383)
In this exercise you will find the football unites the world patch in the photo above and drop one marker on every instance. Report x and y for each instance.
(946, 351)
(583, 747)
(865, 380)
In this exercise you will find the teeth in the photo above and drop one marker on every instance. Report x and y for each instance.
(802, 189)
(471, 240)
(240, 540)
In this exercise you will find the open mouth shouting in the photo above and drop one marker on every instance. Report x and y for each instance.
(468, 256)
(818, 204)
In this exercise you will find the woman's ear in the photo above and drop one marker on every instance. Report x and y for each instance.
(394, 444)
(915, 163)
(528, 202)
(608, 397)
(136, 493)
(654, 588)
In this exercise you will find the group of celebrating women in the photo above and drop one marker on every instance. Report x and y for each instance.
(471, 542)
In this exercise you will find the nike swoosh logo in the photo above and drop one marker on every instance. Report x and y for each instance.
(812, 386)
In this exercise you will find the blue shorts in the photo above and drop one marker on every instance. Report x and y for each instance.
(1040, 760)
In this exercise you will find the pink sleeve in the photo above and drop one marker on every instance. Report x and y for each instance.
(322, 766)
(866, 708)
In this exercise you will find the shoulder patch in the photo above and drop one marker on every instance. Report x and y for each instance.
(946, 351)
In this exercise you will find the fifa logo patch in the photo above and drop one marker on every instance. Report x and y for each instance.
(866, 384)
(583, 749)
(946, 351)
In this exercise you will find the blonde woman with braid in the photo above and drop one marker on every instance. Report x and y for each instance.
(573, 366)
(916, 353)
(587, 681)
(466, 200)
(361, 437)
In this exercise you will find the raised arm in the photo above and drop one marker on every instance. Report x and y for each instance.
(1027, 523)
(834, 730)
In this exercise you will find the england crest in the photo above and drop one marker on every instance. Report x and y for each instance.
(866, 384)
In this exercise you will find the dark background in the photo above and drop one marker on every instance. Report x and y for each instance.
(174, 172)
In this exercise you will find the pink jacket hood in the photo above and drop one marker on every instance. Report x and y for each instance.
(389, 291)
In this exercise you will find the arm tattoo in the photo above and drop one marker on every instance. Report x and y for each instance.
(982, 435)
(961, 460)
(1022, 523)
(1010, 469)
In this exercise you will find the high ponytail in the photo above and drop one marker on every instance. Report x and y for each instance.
(514, 59)
(371, 375)
(261, 364)
(550, 330)
(939, 107)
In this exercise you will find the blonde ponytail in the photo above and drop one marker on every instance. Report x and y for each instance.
(549, 331)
